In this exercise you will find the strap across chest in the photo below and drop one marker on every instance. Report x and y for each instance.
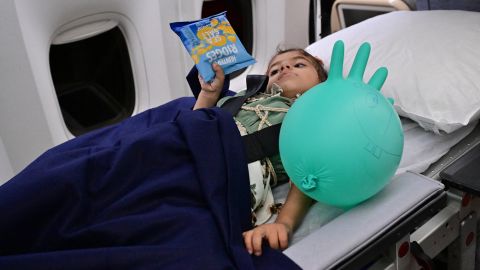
(262, 143)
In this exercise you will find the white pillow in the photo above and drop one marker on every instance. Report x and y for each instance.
(433, 59)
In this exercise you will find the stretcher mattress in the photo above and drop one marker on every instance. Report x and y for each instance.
(341, 238)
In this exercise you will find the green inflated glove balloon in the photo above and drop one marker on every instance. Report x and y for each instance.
(342, 141)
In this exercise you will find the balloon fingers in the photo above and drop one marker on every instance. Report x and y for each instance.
(378, 79)
(336, 63)
(360, 62)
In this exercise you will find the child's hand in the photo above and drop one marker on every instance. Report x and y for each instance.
(215, 86)
(276, 234)
(208, 97)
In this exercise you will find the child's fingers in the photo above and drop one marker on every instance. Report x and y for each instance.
(253, 241)
(219, 74)
(257, 239)
(247, 239)
(283, 239)
(218, 70)
(205, 86)
(201, 81)
(272, 238)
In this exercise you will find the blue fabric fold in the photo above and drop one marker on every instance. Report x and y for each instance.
(165, 189)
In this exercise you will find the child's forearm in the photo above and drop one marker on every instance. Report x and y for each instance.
(206, 100)
(294, 209)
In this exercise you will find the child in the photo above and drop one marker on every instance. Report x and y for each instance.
(291, 73)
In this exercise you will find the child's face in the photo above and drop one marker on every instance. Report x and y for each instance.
(293, 72)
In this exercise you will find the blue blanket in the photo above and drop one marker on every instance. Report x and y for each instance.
(165, 189)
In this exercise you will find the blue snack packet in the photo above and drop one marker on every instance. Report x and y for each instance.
(210, 40)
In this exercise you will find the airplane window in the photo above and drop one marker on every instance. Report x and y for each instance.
(93, 81)
(239, 14)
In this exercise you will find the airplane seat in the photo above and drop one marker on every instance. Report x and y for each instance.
(348, 12)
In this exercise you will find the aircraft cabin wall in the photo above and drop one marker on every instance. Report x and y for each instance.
(69, 66)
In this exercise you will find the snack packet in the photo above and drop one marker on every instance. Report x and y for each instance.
(213, 39)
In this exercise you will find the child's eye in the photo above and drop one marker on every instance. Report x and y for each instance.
(273, 72)
(299, 65)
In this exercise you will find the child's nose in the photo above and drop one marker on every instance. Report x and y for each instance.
(285, 66)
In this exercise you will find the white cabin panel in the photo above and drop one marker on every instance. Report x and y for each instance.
(30, 113)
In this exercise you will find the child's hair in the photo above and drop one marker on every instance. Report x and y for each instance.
(317, 63)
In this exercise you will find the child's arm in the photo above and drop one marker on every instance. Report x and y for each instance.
(277, 234)
(210, 92)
